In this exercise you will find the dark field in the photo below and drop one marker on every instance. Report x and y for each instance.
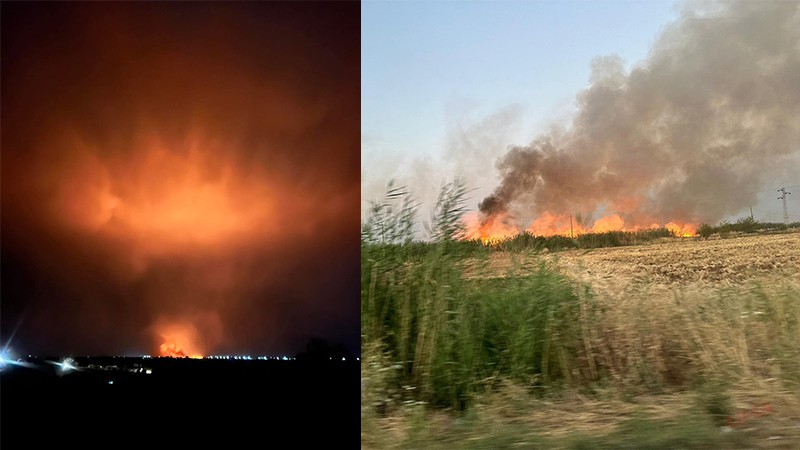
(181, 403)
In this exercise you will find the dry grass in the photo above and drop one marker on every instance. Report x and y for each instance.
(511, 418)
(723, 262)
(667, 262)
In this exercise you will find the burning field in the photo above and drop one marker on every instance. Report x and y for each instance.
(687, 136)
(502, 340)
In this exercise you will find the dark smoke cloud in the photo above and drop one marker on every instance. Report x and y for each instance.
(690, 134)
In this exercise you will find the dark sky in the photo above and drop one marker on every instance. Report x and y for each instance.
(180, 176)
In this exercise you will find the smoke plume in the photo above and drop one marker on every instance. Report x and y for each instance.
(689, 135)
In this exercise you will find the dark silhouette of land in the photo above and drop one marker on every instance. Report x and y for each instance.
(160, 401)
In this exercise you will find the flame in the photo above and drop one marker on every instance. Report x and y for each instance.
(493, 230)
(498, 228)
(549, 224)
(685, 230)
(179, 341)
(609, 223)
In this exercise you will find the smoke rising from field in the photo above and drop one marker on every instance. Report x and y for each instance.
(690, 134)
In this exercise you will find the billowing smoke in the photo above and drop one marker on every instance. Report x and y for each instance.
(689, 135)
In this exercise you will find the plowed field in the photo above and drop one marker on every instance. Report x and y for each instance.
(690, 262)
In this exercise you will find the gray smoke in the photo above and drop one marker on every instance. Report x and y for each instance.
(690, 134)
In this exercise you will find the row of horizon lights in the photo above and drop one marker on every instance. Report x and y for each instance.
(6, 358)
(247, 357)
(243, 357)
(263, 358)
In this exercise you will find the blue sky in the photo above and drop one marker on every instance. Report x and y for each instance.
(503, 71)
(418, 57)
(429, 67)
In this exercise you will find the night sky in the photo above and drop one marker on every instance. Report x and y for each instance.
(180, 178)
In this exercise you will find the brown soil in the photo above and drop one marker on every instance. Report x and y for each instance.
(665, 264)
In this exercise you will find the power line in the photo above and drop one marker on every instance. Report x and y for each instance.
(782, 187)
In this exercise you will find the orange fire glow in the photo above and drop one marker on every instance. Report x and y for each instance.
(179, 341)
(163, 197)
(493, 230)
(684, 230)
(549, 224)
(498, 228)
(609, 223)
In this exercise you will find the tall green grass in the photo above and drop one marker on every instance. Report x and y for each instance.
(452, 338)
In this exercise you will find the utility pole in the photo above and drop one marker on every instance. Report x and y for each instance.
(785, 210)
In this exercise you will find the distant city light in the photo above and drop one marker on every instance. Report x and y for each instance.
(110, 381)
(7, 359)
(249, 357)
(67, 365)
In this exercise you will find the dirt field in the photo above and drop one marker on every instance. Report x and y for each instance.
(690, 262)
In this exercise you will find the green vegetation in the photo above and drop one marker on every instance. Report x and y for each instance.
(391, 221)
(446, 223)
(527, 241)
(451, 337)
(743, 225)
(443, 338)
(705, 230)
(693, 431)
(641, 430)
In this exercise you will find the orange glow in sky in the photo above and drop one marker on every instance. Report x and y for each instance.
(179, 340)
(173, 172)
(194, 192)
